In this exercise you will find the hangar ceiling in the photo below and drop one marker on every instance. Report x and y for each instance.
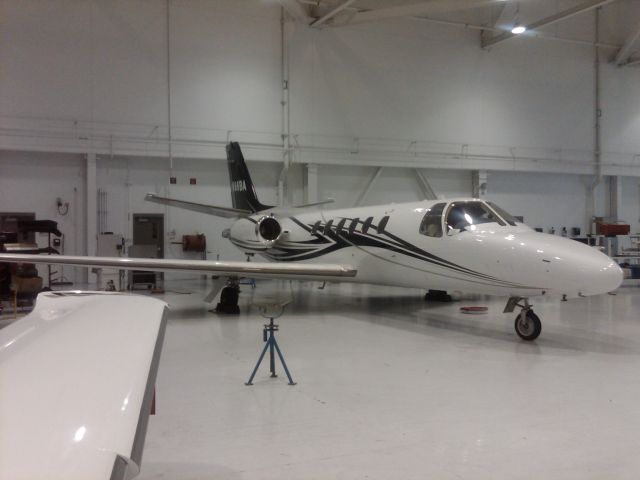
(495, 19)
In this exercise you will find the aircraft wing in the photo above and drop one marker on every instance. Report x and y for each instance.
(224, 212)
(235, 269)
(77, 380)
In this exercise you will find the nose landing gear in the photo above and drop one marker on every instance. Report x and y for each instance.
(527, 324)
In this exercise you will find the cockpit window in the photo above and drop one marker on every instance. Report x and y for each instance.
(467, 215)
(510, 219)
(431, 224)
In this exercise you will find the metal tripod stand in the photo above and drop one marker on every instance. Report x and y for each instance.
(271, 311)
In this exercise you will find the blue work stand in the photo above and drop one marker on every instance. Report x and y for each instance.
(268, 336)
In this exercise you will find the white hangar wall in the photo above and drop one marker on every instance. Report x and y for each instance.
(410, 79)
(92, 76)
(106, 61)
(127, 180)
(30, 182)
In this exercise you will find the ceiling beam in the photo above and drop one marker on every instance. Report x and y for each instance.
(500, 14)
(296, 10)
(427, 7)
(368, 186)
(500, 19)
(563, 15)
(622, 57)
(332, 13)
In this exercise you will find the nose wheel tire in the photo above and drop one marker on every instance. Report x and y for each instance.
(528, 326)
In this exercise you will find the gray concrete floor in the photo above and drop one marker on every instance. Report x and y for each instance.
(391, 387)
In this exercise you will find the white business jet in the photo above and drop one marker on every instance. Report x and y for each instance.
(466, 244)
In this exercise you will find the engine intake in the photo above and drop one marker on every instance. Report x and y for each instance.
(269, 229)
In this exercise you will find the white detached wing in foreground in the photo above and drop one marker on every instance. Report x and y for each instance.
(77, 378)
(301, 271)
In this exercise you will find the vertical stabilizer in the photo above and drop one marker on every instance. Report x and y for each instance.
(243, 193)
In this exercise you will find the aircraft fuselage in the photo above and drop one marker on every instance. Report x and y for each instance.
(388, 246)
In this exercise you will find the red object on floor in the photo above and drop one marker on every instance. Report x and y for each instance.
(474, 309)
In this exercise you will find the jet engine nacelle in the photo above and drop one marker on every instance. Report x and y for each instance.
(268, 230)
(253, 232)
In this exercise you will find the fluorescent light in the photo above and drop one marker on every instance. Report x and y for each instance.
(518, 29)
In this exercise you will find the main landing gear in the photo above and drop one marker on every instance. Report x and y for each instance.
(229, 292)
(229, 300)
(438, 296)
(527, 324)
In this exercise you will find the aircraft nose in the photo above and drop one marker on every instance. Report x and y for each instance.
(609, 275)
(595, 272)
(572, 268)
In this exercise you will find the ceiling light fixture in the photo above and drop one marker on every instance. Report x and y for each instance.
(518, 29)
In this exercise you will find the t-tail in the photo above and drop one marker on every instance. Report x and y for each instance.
(243, 193)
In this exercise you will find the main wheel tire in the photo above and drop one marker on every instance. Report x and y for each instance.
(229, 295)
(438, 296)
(229, 301)
(528, 328)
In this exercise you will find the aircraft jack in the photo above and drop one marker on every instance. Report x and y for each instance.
(271, 344)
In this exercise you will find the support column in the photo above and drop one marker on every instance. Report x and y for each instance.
(91, 208)
(479, 183)
(597, 177)
(615, 197)
(311, 183)
(286, 120)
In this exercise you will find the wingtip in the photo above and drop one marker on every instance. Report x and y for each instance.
(349, 271)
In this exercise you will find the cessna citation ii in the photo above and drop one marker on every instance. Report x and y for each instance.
(466, 244)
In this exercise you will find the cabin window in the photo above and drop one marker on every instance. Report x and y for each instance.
(383, 224)
(431, 224)
(506, 216)
(468, 215)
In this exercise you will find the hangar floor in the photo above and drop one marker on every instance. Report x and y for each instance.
(392, 387)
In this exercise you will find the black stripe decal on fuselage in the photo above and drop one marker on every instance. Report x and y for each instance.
(397, 245)
(328, 242)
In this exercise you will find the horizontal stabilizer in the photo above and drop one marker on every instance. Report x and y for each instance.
(315, 204)
(224, 212)
(300, 271)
